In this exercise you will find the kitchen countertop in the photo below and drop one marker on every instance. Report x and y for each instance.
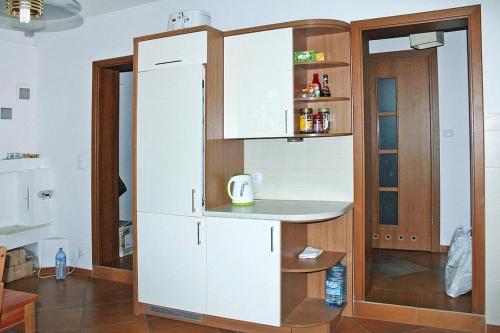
(284, 210)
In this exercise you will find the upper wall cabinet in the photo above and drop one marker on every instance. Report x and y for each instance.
(187, 48)
(258, 84)
(263, 86)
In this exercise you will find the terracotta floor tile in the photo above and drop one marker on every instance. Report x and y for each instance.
(59, 321)
(104, 293)
(161, 325)
(347, 325)
(423, 289)
(441, 301)
(60, 299)
(377, 326)
(429, 330)
(104, 314)
(399, 297)
(132, 327)
(154, 327)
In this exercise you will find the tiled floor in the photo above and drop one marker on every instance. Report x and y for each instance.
(422, 288)
(126, 263)
(83, 305)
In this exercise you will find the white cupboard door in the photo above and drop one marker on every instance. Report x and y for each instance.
(243, 270)
(258, 84)
(170, 108)
(161, 52)
(171, 258)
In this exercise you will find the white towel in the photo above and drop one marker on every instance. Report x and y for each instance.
(310, 253)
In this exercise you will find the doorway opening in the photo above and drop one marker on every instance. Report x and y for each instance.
(112, 180)
(419, 163)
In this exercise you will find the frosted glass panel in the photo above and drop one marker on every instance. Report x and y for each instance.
(388, 132)
(388, 208)
(386, 95)
(388, 170)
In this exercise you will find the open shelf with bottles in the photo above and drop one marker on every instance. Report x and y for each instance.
(303, 280)
(334, 42)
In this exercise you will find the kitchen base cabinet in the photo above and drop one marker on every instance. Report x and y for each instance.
(171, 261)
(243, 270)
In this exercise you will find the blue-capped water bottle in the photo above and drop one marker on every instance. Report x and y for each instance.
(335, 286)
(61, 265)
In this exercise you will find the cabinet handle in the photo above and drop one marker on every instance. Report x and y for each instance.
(286, 121)
(167, 62)
(199, 225)
(272, 239)
(193, 206)
(27, 198)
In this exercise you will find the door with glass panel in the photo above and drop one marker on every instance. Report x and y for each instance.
(401, 177)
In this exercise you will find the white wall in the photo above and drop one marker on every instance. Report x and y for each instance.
(65, 96)
(453, 114)
(125, 130)
(316, 169)
(18, 66)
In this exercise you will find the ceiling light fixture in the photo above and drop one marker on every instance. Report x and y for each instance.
(26, 10)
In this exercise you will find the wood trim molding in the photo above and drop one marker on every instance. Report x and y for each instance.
(335, 25)
(78, 271)
(460, 321)
(112, 274)
(456, 18)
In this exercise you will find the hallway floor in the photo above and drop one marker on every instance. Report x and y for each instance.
(413, 278)
(126, 263)
(84, 305)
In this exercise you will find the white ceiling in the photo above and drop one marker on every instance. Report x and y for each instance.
(98, 7)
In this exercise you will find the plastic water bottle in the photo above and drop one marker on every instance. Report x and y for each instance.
(335, 286)
(61, 265)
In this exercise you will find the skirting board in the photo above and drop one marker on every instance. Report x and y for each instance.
(493, 329)
(98, 272)
(78, 271)
(459, 321)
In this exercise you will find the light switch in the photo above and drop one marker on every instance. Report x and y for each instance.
(448, 133)
(80, 162)
(257, 178)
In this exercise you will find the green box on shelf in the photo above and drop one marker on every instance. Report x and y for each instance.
(304, 56)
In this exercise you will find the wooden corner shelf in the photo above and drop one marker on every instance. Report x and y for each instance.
(325, 261)
(320, 64)
(322, 135)
(321, 99)
(311, 312)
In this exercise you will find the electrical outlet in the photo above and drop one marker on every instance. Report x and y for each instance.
(257, 177)
(80, 252)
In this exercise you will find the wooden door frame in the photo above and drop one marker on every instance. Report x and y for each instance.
(116, 65)
(449, 19)
(431, 54)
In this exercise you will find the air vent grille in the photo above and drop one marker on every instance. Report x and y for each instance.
(176, 313)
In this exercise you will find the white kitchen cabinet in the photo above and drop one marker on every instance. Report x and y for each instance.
(258, 84)
(172, 261)
(244, 270)
(170, 135)
(162, 52)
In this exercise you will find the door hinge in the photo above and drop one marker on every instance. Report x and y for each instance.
(203, 83)
(202, 202)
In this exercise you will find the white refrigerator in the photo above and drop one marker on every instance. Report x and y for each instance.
(171, 232)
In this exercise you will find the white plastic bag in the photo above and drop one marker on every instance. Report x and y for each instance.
(458, 273)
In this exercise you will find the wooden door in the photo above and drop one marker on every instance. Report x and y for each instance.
(401, 149)
(170, 110)
(243, 265)
(171, 261)
(258, 84)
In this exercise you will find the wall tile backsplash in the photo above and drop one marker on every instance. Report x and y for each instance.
(316, 169)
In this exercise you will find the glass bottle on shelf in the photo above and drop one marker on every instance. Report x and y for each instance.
(325, 91)
(316, 80)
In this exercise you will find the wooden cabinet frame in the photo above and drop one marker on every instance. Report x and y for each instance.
(468, 18)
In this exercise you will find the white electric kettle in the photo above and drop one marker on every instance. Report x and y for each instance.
(242, 193)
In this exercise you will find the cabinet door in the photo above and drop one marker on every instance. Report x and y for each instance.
(243, 270)
(158, 53)
(258, 84)
(170, 107)
(171, 259)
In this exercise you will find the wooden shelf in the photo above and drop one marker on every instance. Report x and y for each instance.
(325, 261)
(322, 135)
(321, 99)
(320, 64)
(311, 312)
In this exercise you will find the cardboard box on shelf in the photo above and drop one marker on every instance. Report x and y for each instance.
(15, 257)
(17, 272)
